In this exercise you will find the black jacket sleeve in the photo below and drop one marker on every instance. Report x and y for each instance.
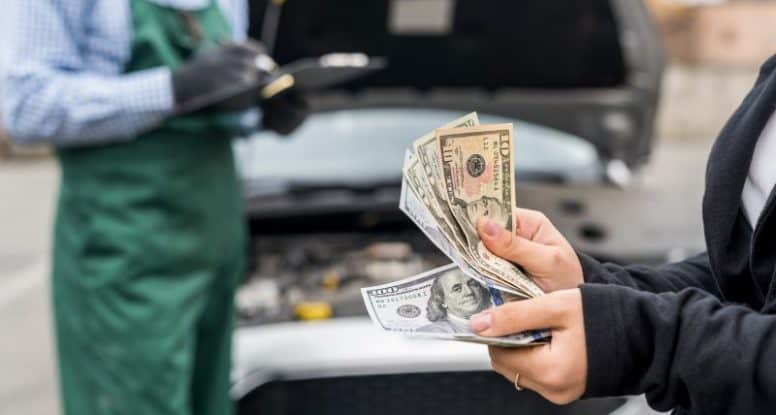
(694, 272)
(684, 350)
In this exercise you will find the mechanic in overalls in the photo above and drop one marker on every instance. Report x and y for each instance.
(149, 239)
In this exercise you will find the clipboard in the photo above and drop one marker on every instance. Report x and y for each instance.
(304, 75)
(311, 74)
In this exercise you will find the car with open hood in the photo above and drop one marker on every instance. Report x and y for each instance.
(580, 81)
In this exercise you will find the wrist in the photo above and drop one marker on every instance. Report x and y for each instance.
(147, 96)
(181, 87)
(592, 271)
(167, 90)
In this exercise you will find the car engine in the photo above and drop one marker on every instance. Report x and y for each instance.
(315, 276)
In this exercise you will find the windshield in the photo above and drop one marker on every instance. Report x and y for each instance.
(367, 146)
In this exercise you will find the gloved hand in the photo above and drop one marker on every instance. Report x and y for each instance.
(284, 113)
(223, 78)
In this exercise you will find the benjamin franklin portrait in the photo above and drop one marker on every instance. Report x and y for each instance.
(455, 297)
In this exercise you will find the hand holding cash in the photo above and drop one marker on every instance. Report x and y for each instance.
(558, 371)
(454, 177)
(458, 188)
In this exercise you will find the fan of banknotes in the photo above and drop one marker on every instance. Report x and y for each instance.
(454, 176)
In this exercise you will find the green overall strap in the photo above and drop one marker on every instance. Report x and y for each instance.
(149, 247)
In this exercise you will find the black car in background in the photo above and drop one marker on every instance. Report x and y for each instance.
(580, 80)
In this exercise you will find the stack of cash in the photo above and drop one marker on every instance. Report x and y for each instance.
(453, 177)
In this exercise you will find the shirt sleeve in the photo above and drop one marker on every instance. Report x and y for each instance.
(683, 350)
(236, 12)
(52, 95)
(694, 272)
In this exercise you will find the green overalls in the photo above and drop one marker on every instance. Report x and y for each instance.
(149, 248)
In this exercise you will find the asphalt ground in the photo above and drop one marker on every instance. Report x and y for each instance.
(655, 219)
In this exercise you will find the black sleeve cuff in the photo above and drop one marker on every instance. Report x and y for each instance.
(594, 271)
(606, 340)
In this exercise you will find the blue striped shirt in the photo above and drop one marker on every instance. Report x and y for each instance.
(64, 84)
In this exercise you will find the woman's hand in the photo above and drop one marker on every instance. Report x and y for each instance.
(538, 247)
(558, 370)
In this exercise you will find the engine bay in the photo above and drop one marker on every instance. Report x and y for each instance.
(315, 276)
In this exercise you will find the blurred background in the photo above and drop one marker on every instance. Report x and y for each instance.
(613, 131)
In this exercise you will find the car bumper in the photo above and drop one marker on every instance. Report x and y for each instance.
(353, 348)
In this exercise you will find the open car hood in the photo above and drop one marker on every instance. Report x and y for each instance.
(591, 68)
(449, 43)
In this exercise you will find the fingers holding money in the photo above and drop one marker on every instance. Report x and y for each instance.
(538, 247)
(446, 207)
(544, 312)
(515, 248)
(557, 371)
(534, 225)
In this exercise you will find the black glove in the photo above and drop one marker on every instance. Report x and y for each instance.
(223, 78)
(283, 113)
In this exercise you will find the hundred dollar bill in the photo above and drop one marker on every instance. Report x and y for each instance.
(478, 170)
(438, 304)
